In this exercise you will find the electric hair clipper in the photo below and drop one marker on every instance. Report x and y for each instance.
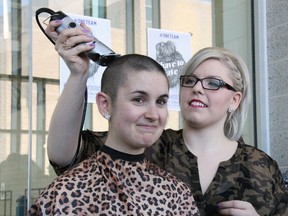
(101, 54)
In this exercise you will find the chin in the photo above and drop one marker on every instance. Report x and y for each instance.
(138, 148)
(146, 144)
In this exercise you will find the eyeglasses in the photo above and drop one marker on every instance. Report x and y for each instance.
(207, 83)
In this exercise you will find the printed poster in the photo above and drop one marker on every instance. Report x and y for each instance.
(101, 29)
(172, 50)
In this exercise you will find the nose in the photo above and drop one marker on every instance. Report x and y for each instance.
(152, 112)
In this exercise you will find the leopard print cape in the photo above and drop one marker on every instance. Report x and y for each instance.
(114, 183)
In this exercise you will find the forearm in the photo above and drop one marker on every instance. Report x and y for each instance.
(66, 121)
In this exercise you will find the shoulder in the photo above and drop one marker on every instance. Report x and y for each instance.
(92, 141)
(253, 153)
(170, 134)
(257, 158)
(69, 178)
(163, 145)
(168, 138)
(63, 191)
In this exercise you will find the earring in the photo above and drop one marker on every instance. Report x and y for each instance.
(107, 116)
(230, 110)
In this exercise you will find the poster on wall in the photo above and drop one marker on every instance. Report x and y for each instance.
(101, 29)
(172, 50)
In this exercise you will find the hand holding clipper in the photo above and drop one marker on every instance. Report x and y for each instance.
(101, 54)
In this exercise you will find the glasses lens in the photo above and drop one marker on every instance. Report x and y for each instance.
(188, 81)
(211, 83)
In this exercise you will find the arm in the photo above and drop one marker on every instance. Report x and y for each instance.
(66, 119)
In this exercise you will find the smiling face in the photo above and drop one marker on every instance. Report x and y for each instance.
(202, 108)
(139, 112)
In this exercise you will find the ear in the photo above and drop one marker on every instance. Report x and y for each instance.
(236, 99)
(103, 103)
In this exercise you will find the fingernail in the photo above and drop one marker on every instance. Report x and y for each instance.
(58, 21)
(92, 43)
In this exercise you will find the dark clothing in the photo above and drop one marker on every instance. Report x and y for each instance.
(250, 175)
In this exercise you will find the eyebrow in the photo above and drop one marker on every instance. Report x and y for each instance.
(145, 93)
(209, 76)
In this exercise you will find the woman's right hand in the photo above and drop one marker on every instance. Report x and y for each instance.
(71, 45)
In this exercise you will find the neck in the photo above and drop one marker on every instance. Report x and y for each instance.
(123, 147)
(205, 141)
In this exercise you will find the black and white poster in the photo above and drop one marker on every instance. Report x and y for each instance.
(172, 50)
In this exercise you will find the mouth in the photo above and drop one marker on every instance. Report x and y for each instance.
(148, 128)
(197, 104)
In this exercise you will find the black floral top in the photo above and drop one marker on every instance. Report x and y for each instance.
(250, 175)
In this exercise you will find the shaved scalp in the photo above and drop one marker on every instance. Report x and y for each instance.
(118, 71)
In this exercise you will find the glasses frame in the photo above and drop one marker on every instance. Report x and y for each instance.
(222, 83)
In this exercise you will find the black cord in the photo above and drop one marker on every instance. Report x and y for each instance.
(44, 10)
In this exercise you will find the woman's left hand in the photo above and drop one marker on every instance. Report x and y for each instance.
(237, 208)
